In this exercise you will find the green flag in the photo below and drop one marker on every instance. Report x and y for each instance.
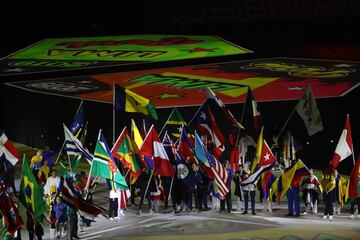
(174, 124)
(31, 193)
(103, 165)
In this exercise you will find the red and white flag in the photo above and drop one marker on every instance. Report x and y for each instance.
(153, 149)
(8, 149)
(344, 146)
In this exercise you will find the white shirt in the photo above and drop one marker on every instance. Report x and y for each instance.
(51, 185)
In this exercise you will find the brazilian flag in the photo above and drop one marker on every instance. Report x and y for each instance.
(31, 193)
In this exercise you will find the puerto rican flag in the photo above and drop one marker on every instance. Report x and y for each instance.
(267, 161)
(206, 125)
(8, 149)
(344, 148)
(154, 150)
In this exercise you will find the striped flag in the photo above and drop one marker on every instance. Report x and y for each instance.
(220, 174)
(344, 148)
(74, 146)
(8, 149)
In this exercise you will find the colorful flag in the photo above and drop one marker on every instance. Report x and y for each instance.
(128, 101)
(71, 195)
(266, 162)
(228, 115)
(169, 147)
(74, 146)
(31, 193)
(220, 174)
(126, 150)
(154, 150)
(78, 124)
(206, 125)
(136, 134)
(344, 148)
(186, 149)
(354, 185)
(252, 117)
(309, 112)
(8, 150)
(269, 180)
(103, 164)
(288, 175)
(174, 124)
(8, 210)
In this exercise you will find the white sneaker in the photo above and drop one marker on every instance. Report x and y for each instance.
(305, 213)
(331, 218)
(352, 216)
(140, 212)
(117, 218)
(111, 219)
(325, 217)
(151, 212)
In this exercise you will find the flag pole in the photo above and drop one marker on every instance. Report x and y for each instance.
(166, 122)
(114, 113)
(171, 185)
(282, 129)
(62, 146)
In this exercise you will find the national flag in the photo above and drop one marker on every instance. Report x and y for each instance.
(136, 134)
(103, 164)
(31, 193)
(288, 175)
(354, 185)
(74, 146)
(259, 147)
(153, 150)
(309, 112)
(126, 150)
(77, 126)
(220, 174)
(266, 162)
(268, 180)
(228, 115)
(128, 101)
(200, 152)
(174, 124)
(206, 125)
(8, 210)
(8, 150)
(71, 195)
(186, 149)
(251, 119)
(169, 147)
(344, 148)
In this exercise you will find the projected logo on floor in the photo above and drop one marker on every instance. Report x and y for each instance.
(58, 54)
(272, 79)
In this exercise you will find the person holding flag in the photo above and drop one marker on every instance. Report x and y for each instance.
(248, 189)
(311, 188)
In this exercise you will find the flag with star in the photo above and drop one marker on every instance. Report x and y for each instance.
(128, 101)
(103, 164)
(31, 193)
(206, 125)
(266, 162)
(78, 123)
(174, 124)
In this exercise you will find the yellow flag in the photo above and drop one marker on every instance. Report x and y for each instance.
(259, 147)
(288, 176)
(136, 134)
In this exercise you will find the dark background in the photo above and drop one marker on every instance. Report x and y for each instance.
(326, 29)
